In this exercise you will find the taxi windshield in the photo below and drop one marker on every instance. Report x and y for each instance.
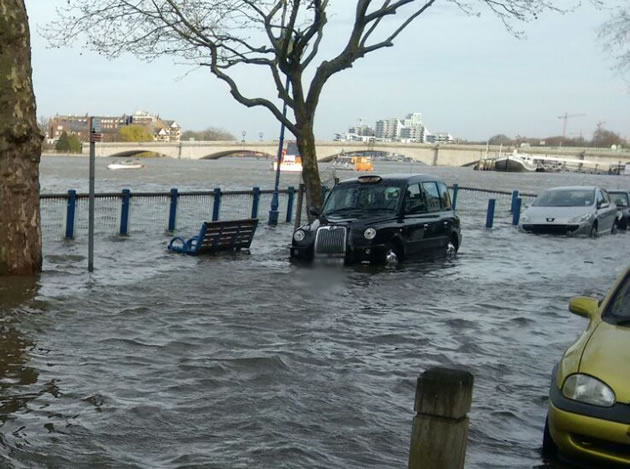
(358, 198)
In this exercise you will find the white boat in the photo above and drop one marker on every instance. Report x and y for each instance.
(291, 161)
(127, 164)
(515, 163)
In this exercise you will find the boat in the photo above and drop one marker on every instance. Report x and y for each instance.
(127, 164)
(291, 161)
(354, 163)
(515, 163)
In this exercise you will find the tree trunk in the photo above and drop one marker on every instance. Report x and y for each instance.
(310, 169)
(20, 147)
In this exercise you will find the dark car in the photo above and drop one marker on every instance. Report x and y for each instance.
(382, 220)
(622, 201)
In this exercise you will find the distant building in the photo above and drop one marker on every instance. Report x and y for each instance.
(162, 130)
(409, 129)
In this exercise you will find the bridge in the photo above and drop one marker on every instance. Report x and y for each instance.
(431, 154)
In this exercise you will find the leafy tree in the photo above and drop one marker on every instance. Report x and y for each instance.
(282, 37)
(135, 133)
(20, 146)
(63, 143)
(74, 144)
(208, 135)
(603, 138)
(500, 139)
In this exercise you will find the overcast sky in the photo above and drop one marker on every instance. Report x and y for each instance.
(466, 75)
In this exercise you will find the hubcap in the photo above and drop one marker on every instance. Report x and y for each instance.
(450, 248)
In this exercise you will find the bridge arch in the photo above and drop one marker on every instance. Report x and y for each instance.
(132, 153)
(243, 153)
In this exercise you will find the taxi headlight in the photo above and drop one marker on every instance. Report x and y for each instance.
(369, 233)
(299, 235)
(589, 390)
(581, 218)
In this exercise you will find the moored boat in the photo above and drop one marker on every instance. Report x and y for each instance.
(127, 164)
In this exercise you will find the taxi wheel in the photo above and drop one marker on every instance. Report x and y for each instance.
(594, 230)
(549, 448)
(613, 230)
(392, 255)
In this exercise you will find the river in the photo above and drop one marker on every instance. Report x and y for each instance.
(249, 361)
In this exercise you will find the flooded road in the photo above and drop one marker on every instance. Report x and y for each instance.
(249, 361)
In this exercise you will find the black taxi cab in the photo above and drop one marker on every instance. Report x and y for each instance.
(381, 220)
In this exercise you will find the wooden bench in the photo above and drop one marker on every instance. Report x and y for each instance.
(216, 236)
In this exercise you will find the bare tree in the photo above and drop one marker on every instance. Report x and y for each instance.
(615, 33)
(20, 147)
(281, 36)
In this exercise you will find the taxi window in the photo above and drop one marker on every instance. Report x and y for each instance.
(432, 196)
(414, 202)
(445, 197)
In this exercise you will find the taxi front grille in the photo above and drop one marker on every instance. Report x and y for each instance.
(330, 241)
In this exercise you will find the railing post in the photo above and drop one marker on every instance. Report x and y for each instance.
(490, 214)
(255, 201)
(124, 212)
(217, 204)
(439, 434)
(172, 212)
(516, 213)
(70, 210)
(290, 203)
(300, 205)
(455, 192)
(514, 197)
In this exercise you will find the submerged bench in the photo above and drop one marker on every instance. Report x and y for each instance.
(216, 236)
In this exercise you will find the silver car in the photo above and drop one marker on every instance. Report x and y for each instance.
(577, 210)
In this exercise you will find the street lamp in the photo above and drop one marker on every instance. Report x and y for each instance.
(243, 133)
(261, 135)
(273, 212)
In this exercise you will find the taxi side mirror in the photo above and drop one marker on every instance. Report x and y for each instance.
(584, 306)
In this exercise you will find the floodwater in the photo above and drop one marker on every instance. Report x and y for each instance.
(248, 361)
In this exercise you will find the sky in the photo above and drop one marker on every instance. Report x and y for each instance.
(466, 75)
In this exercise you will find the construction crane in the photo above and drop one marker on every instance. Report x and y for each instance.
(565, 117)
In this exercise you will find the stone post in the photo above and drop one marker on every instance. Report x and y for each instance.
(440, 428)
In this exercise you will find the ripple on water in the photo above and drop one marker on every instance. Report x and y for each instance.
(249, 361)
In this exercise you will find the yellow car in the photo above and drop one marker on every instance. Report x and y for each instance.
(589, 409)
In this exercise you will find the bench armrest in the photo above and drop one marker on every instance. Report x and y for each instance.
(181, 249)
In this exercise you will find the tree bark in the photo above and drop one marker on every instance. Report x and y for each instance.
(310, 169)
(20, 147)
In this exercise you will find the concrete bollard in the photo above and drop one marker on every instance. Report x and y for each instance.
(439, 434)
(490, 214)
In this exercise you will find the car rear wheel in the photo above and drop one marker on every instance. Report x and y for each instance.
(549, 448)
(613, 230)
(594, 230)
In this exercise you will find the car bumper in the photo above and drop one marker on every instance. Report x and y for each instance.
(370, 253)
(580, 436)
(570, 229)
(583, 431)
